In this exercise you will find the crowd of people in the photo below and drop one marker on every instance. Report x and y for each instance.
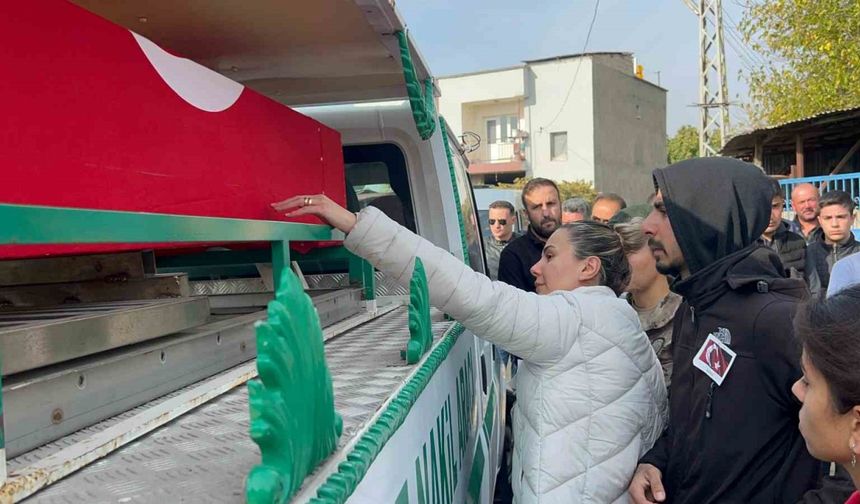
(708, 353)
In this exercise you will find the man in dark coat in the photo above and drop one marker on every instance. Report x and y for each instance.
(732, 435)
(543, 206)
(789, 246)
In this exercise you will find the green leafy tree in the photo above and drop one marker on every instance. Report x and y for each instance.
(684, 145)
(813, 52)
(568, 189)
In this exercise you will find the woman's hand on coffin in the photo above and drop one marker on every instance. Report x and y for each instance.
(320, 206)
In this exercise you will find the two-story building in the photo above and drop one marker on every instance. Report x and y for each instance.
(575, 117)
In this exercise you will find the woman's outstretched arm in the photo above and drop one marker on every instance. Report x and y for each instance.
(540, 329)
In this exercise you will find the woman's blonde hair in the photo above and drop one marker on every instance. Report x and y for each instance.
(601, 241)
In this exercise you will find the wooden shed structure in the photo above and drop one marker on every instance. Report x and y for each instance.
(824, 144)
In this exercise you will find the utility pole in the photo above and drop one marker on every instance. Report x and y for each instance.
(713, 88)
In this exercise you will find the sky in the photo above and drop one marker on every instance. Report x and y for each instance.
(457, 36)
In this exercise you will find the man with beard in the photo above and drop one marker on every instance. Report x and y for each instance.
(541, 199)
(732, 433)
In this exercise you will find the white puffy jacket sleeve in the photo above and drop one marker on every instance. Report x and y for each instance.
(539, 329)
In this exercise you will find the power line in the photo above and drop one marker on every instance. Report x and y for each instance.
(578, 65)
(741, 56)
(735, 32)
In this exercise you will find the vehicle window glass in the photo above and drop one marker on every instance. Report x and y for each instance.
(467, 208)
(376, 176)
(484, 218)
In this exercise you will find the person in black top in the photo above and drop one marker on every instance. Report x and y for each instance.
(834, 242)
(790, 246)
(732, 435)
(543, 206)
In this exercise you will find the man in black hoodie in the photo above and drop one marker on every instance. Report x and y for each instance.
(732, 435)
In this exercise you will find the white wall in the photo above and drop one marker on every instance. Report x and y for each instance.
(479, 87)
(549, 83)
(630, 133)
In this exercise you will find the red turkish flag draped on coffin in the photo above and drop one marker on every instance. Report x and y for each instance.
(98, 117)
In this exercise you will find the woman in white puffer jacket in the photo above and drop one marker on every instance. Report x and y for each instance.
(590, 392)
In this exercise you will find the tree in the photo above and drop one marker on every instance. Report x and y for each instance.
(812, 50)
(580, 188)
(684, 145)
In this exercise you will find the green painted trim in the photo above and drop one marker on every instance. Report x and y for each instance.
(423, 108)
(361, 271)
(293, 419)
(489, 417)
(476, 477)
(368, 280)
(280, 264)
(25, 224)
(403, 496)
(420, 329)
(340, 485)
(451, 169)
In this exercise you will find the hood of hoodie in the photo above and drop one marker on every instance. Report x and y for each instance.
(716, 206)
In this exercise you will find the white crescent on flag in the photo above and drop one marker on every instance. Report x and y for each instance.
(194, 83)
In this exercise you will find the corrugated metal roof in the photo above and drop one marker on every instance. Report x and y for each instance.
(741, 139)
(819, 115)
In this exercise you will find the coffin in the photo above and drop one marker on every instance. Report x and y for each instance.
(96, 116)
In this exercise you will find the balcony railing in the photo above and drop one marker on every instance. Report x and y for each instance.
(849, 182)
(501, 151)
(497, 153)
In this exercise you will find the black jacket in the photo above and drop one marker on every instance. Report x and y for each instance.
(820, 258)
(517, 259)
(737, 442)
(791, 248)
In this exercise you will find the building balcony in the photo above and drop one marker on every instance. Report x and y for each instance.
(502, 152)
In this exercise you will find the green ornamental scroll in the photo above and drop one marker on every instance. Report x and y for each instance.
(293, 420)
(423, 110)
(420, 331)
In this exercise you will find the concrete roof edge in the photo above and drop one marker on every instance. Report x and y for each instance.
(479, 72)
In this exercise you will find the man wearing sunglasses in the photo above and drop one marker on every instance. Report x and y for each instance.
(501, 220)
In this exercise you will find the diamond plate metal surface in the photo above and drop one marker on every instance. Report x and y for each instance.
(228, 286)
(385, 286)
(205, 455)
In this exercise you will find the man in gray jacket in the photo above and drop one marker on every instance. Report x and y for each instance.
(501, 221)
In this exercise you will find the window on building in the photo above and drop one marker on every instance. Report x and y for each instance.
(492, 131)
(502, 129)
(558, 146)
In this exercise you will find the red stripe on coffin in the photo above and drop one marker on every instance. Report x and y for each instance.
(97, 117)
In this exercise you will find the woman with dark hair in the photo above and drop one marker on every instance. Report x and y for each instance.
(591, 398)
(829, 389)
